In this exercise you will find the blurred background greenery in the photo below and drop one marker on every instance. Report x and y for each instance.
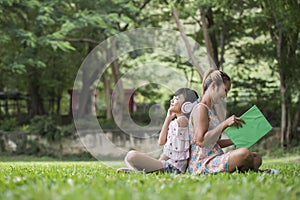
(43, 44)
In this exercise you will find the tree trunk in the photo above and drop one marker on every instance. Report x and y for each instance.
(90, 74)
(289, 125)
(58, 103)
(283, 124)
(83, 108)
(118, 100)
(286, 39)
(222, 43)
(212, 37)
(36, 101)
(187, 44)
(283, 111)
(107, 95)
(207, 39)
(282, 58)
(6, 106)
(296, 121)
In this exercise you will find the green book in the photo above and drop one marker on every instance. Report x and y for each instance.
(255, 128)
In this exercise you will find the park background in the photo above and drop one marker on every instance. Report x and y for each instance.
(43, 44)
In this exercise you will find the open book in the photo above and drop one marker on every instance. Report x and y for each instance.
(255, 128)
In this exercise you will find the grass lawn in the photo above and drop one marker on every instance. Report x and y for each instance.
(94, 180)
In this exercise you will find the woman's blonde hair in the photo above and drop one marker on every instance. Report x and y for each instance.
(212, 75)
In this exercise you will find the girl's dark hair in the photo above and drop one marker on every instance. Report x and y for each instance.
(188, 94)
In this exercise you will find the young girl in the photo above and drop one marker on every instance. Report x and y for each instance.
(174, 137)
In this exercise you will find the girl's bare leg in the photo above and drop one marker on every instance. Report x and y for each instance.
(142, 162)
(241, 159)
(163, 157)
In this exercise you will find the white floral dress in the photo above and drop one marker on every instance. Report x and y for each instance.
(177, 146)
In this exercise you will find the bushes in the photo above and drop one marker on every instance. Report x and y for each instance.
(9, 124)
(46, 126)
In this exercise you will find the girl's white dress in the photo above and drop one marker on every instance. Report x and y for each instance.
(177, 146)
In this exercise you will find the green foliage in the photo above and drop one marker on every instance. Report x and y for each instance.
(149, 93)
(43, 44)
(47, 127)
(141, 118)
(8, 124)
(107, 123)
(94, 180)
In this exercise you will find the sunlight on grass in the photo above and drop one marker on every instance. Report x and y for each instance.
(99, 180)
(291, 159)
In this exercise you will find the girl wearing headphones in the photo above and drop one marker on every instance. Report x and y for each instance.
(173, 135)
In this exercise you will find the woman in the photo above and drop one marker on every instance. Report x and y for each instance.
(207, 156)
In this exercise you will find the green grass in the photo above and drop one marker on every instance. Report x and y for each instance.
(94, 180)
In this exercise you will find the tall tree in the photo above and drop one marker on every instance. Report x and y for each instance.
(28, 28)
(226, 24)
(284, 29)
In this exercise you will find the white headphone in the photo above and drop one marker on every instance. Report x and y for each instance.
(187, 107)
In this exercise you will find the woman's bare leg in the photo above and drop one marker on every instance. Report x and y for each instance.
(142, 162)
(257, 161)
(241, 159)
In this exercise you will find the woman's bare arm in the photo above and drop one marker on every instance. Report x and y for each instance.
(225, 143)
(200, 121)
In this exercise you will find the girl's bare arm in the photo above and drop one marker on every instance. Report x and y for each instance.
(164, 130)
